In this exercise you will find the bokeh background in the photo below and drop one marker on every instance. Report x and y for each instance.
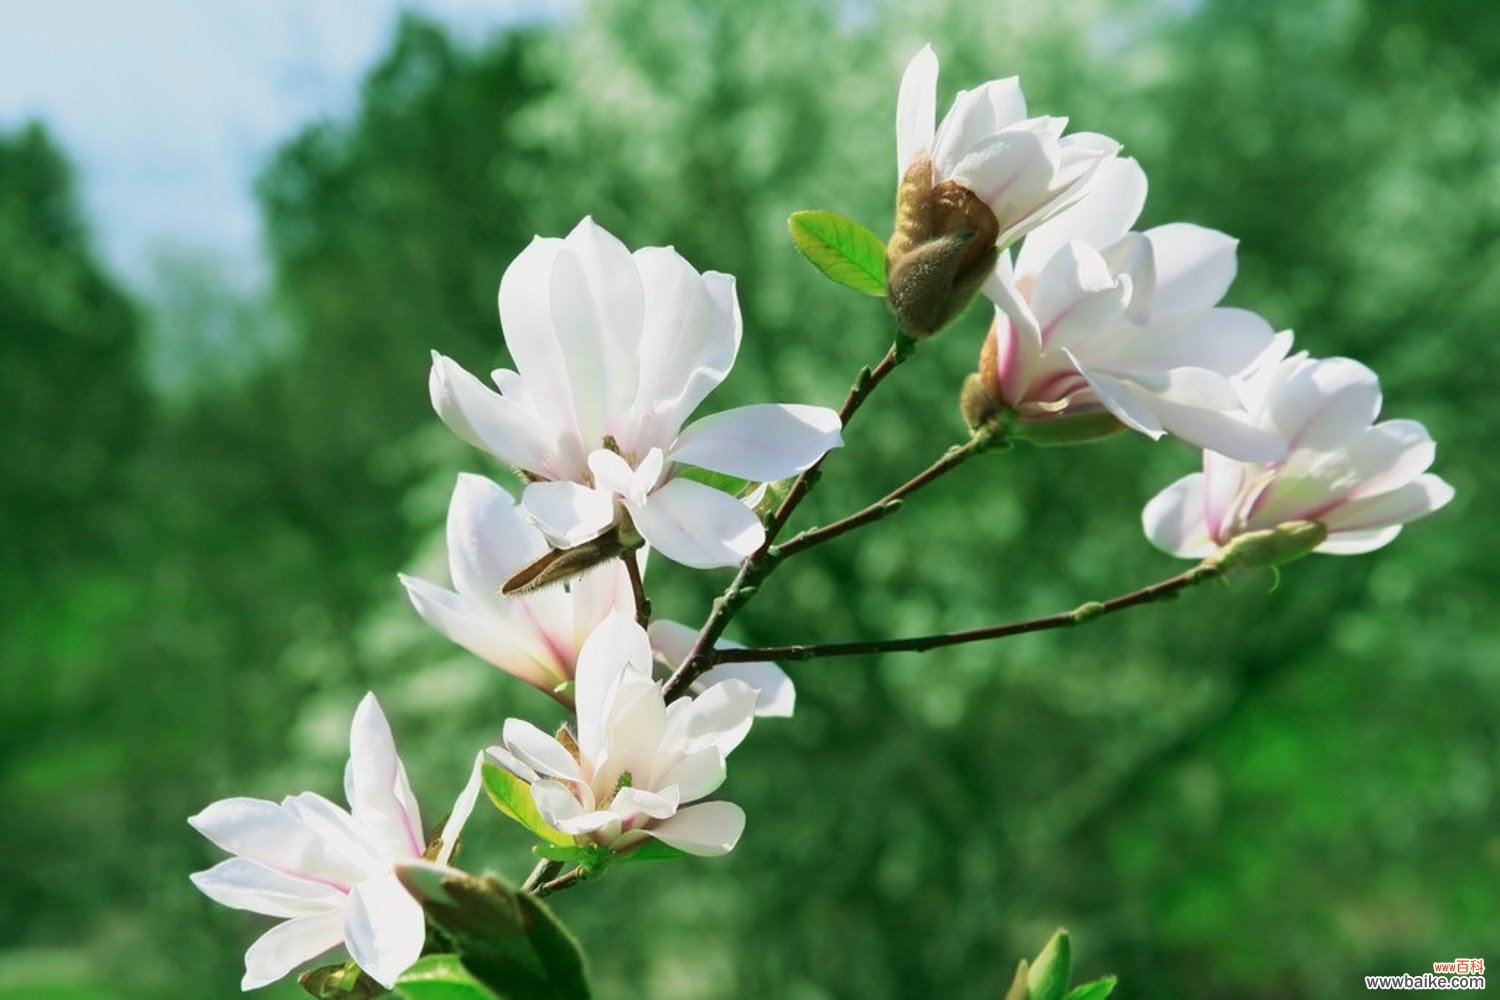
(215, 462)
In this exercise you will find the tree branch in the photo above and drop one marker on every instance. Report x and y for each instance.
(638, 588)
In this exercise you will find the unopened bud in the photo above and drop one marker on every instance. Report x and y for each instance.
(1273, 547)
(558, 565)
(975, 404)
(1052, 970)
(942, 251)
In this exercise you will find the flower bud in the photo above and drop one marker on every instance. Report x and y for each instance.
(1049, 975)
(1272, 547)
(557, 565)
(942, 251)
(982, 400)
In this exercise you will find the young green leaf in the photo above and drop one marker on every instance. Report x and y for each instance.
(651, 850)
(1096, 990)
(512, 796)
(733, 485)
(340, 982)
(842, 249)
(441, 977)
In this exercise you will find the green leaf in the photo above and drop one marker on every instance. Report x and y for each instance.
(1053, 968)
(441, 977)
(590, 856)
(651, 850)
(733, 485)
(1097, 990)
(842, 249)
(508, 940)
(340, 982)
(512, 796)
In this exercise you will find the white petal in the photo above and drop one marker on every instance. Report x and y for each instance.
(1227, 433)
(569, 514)
(637, 717)
(1225, 341)
(489, 540)
(1127, 401)
(708, 829)
(1011, 173)
(380, 798)
(491, 638)
(698, 526)
(1194, 267)
(463, 807)
(1324, 404)
(1076, 297)
(1414, 500)
(719, 717)
(632, 802)
(384, 928)
(696, 775)
(916, 108)
(612, 474)
(1114, 201)
(975, 117)
(564, 812)
(1357, 543)
(489, 421)
(1173, 519)
(1388, 455)
(775, 694)
(540, 752)
(761, 443)
(265, 832)
(595, 594)
(334, 826)
(288, 945)
(526, 318)
(249, 885)
(618, 644)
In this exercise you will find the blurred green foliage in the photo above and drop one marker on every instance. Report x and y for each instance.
(1252, 793)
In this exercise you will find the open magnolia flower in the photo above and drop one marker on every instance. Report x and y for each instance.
(535, 637)
(613, 352)
(1098, 327)
(328, 870)
(636, 762)
(1358, 480)
(1023, 169)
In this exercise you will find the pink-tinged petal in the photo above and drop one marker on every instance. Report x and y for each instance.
(696, 775)
(1357, 543)
(1389, 455)
(1194, 267)
(567, 513)
(489, 541)
(249, 885)
(531, 337)
(629, 803)
(267, 833)
(1105, 213)
(761, 443)
(1325, 403)
(380, 797)
(719, 717)
(384, 928)
(564, 812)
(597, 307)
(708, 829)
(496, 640)
(1407, 503)
(489, 421)
(617, 645)
(540, 752)
(463, 807)
(698, 526)
(916, 108)
(1173, 519)
(1076, 298)
(287, 945)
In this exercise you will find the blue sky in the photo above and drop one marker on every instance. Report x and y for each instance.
(169, 108)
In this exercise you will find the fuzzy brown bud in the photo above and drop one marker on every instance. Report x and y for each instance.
(942, 251)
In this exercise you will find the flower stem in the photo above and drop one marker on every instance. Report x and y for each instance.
(561, 882)
(920, 644)
(763, 560)
(985, 438)
(540, 875)
(638, 588)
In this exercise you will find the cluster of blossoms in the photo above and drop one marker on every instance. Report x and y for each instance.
(1097, 328)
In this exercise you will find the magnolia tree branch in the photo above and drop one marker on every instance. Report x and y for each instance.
(984, 439)
(922, 643)
(544, 872)
(637, 588)
(763, 560)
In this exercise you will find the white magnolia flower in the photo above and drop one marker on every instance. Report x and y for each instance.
(637, 762)
(1094, 321)
(614, 351)
(1023, 168)
(1358, 479)
(535, 637)
(328, 870)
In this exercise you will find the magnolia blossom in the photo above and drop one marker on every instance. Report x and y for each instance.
(1361, 481)
(1094, 322)
(328, 870)
(535, 637)
(1024, 169)
(613, 352)
(637, 762)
